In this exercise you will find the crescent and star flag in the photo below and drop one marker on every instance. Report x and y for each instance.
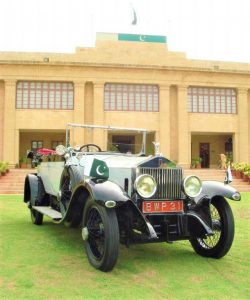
(229, 177)
(96, 168)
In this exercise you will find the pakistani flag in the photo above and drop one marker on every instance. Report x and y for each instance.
(229, 177)
(96, 168)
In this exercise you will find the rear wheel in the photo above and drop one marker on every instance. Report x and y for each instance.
(70, 178)
(220, 242)
(101, 234)
(37, 217)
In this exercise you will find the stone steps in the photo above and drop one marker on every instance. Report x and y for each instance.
(218, 175)
(13, 182)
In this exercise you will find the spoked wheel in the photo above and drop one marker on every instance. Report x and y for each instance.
(220, 242)
(101, 235)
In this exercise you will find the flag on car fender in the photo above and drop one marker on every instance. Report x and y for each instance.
(96, 168)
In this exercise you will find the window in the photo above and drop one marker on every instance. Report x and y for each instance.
(131, 97)
(36, 145)
(212, 100)
(45, 95)
(54, 144)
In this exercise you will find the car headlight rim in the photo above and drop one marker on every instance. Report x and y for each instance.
(187, 191)
(140, 181)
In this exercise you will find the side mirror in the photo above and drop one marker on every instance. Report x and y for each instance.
(60, 150)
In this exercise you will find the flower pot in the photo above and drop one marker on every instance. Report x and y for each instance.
(238, 174)
(23, 165)
(245, 178)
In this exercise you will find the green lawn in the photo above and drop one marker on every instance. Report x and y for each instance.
(48, 262)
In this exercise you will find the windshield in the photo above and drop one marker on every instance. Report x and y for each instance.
(118, 139)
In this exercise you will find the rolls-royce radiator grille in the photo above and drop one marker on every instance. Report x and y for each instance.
(169, 182)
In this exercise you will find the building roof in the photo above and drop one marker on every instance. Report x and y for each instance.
(112, 52)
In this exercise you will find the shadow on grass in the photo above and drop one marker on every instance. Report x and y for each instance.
(68, 238)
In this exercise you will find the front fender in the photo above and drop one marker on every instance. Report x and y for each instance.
(30, 188)
(211, 189)
(100, 192)
(106, 190)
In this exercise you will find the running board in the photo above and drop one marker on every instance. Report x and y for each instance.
(48, 211)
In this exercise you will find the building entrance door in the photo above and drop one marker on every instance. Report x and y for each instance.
(204, 154)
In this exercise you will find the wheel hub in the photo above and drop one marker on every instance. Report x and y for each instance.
(85, 233)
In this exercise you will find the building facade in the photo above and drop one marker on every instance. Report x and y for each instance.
(193, 108)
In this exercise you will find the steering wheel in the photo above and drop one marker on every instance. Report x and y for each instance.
(90, 148)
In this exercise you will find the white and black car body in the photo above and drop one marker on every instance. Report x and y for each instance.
(127, 198)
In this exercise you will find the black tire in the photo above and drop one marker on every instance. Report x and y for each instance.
(37, 217)
(219, 244)
(70, 179)
(102, 244)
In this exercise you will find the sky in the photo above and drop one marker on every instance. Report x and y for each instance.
(203, 29)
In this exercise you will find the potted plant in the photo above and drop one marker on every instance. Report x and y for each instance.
(23, 162)
(196, 162)
(245, 176)
(243, 168)
(237, 170)
(7, 167)
(2, 169)
(246, 172)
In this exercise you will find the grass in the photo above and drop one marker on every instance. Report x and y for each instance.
(49, 262)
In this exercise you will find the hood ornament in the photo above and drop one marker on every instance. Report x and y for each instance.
(157, 148)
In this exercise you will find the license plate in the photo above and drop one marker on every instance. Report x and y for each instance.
(150, 207)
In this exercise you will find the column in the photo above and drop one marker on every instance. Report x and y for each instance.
(10, 149)
(164, 128)
(1, 118)
(184, 142)
(77, 135)
(242, 153)
(99, 135)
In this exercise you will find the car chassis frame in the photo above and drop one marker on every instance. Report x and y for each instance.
(129, 198)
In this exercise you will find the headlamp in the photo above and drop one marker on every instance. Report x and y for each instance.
(145, 186)
(192, 186)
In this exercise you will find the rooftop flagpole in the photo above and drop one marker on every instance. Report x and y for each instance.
(134, 16)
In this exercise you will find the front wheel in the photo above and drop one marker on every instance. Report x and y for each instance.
(101, 235)
(220, 242)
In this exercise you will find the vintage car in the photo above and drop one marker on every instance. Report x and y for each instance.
(128, 198)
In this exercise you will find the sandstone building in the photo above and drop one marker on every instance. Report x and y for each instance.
(193, 108)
